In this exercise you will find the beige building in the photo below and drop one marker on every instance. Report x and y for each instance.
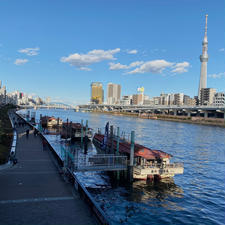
(179, 99)
(138, 99)
(189, 101)
(207, 96)
(113, 94)
(97, 93)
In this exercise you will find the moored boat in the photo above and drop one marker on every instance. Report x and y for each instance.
(148, 163)
(75, 131)
(51, 121)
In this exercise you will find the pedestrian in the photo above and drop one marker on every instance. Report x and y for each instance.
(27, 132)
(35, 132)
(45, 144)
(13, 158)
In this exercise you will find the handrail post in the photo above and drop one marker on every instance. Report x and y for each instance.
(117, 152)
(111, 137)
(82, 133)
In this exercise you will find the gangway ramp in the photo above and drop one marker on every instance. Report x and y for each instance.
(100, 162)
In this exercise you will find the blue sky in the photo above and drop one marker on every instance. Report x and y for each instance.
(57, 48)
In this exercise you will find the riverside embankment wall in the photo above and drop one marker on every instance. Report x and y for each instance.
(220, 122)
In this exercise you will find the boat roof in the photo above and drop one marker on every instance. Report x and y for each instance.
(139, 150)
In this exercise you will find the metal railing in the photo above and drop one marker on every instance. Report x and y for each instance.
(156, 168)
(100, 162)
(161, 165)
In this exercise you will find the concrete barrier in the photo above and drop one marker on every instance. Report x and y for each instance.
(14, 141)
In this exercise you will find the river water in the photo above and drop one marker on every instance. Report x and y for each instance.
(196, 197)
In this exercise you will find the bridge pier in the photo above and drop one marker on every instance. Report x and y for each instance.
(174, 112)
(189, 113)
(206, 114)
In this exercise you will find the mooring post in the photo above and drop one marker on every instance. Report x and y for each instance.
(86, 138)
(40, 123)
(224, 115)
(82, 133)
(70, 132)
(118, 141)
(28, 116)
(117, 151)
(131, 157)
(111, 137)
(67, 127)
(86, 123)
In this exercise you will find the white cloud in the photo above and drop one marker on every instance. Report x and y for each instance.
(221, 49)
(118, 66)
(217, 75)
(83, 60)
(154, 66)
(20, 61)
(180, 67)
(132, 52)
(30, 51)
(134, 64)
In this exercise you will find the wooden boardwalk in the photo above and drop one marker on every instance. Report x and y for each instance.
(34, 192)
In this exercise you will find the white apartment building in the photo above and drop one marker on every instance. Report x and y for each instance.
(219, 99)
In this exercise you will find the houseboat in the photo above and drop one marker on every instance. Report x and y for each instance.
(74, 131)
(148, 163)
(51, 122)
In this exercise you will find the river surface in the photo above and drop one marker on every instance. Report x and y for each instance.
(196, 197)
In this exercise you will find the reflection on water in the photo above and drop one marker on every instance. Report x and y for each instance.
(123, 204)
(142, 191)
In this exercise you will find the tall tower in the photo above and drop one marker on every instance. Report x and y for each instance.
(204, 60)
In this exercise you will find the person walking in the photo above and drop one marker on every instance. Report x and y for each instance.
(45, 144)
(27, 132)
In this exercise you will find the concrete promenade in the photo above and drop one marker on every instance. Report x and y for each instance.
(33, 192)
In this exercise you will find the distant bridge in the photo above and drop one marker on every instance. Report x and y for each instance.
(158, 109)
(52, 105)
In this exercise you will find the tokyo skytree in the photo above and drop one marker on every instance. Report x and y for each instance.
(204, 60)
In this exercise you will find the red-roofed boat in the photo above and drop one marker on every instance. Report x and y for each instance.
(148, 163)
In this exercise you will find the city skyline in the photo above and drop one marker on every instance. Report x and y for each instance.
(151, 44)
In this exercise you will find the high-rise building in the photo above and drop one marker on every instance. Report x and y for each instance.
(113, 93)
(207, 96)
(204, 60)
(138, 99)
(97, 93)
(164, 99)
